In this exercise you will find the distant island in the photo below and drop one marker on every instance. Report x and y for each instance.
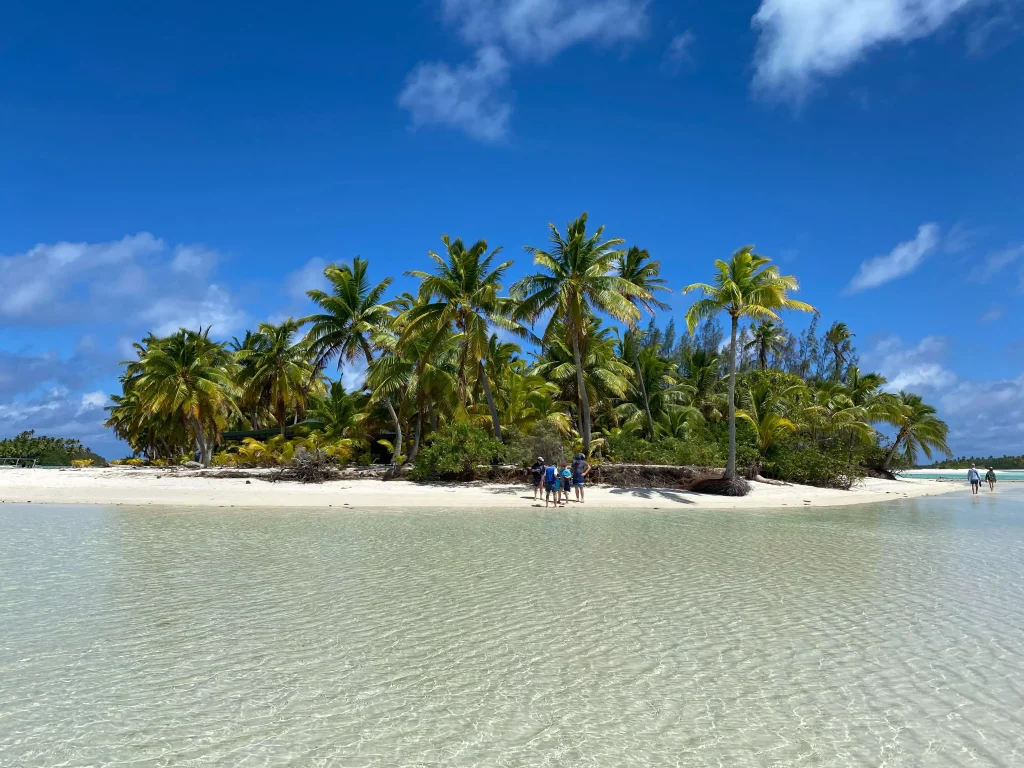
(965, 462)
(48, 451)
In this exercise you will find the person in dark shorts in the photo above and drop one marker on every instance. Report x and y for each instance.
(580, 470)
(551, 484)
(566, 477)
(975, 478)
(536, 475)
(990, 476)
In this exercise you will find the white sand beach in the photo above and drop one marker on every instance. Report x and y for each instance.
(146, 486)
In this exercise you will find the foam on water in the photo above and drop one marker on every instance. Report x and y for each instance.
(884, 635)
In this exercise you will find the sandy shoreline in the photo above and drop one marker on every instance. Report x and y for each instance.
(162, 487)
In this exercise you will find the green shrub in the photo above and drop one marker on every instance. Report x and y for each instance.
(697, 450)
(543, 440)
(455, 452)
(81, 463)
(808, 465)
(224, 459)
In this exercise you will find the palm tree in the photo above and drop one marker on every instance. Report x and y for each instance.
(463, 294)
(745, 286)
(605, 376)
(188, 376)
(919, 430)
(764, 409)
(352, 313)
(578, 280)
(337, 413)
(635, 267)
(275, 369)
(837, 337)
(653, 390)
(701, 375)
(767, 339)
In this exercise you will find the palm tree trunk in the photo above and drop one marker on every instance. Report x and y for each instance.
(201, 444)
(584, 400)
(730, 467)
(368, 354)
(416, 433)
(643, 389)
(892, 451)
(490, 402)
(398, 430)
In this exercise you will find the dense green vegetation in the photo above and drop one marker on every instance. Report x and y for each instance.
(964, 462)
(47, 451)
(465, 371)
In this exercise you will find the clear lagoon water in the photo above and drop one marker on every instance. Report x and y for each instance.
(884, 635)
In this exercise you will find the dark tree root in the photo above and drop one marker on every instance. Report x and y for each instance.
(722, 486)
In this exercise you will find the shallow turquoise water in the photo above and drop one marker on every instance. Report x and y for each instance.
(890, 635)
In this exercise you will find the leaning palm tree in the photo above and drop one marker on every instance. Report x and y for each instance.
(276, 369)
(462, 294)
(919, 430)
(578, 279)
(635, 267)
(350, 316)
(745, 286)
(837, 337)
(767, 339)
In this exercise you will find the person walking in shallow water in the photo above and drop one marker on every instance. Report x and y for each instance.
(975, 478)
(990, 476)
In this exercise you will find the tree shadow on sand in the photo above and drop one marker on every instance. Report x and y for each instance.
(654, 493)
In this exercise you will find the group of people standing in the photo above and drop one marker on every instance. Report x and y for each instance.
(552, 481)
(975, 477)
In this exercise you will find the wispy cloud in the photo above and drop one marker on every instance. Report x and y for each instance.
(803, 41)
(468, 97)
(902, 260)
(993, 313)
(999, 260)
(474, 97)
(541, 29)
(679, 53)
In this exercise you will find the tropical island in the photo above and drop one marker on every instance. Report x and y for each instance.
(448, 385)
(472, 379)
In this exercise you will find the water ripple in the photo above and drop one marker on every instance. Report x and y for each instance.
(877, 636)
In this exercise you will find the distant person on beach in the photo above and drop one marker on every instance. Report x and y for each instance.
(550, 484)
(580, 470)
(975, 478)
(566, 477)
(991, 477)
(536, 476)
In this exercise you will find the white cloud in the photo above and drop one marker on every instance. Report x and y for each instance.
(195, 260)
(985, 417)
(468, 97)
(214, 308)
(92, 401)
(802, 41)
(916, 368)
(679, 52)
(310, 276)
(353, 375)
(44, 274)
(902, 260)
(541, 29)
(473, 97)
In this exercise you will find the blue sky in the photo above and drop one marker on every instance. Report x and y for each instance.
(169, 166)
